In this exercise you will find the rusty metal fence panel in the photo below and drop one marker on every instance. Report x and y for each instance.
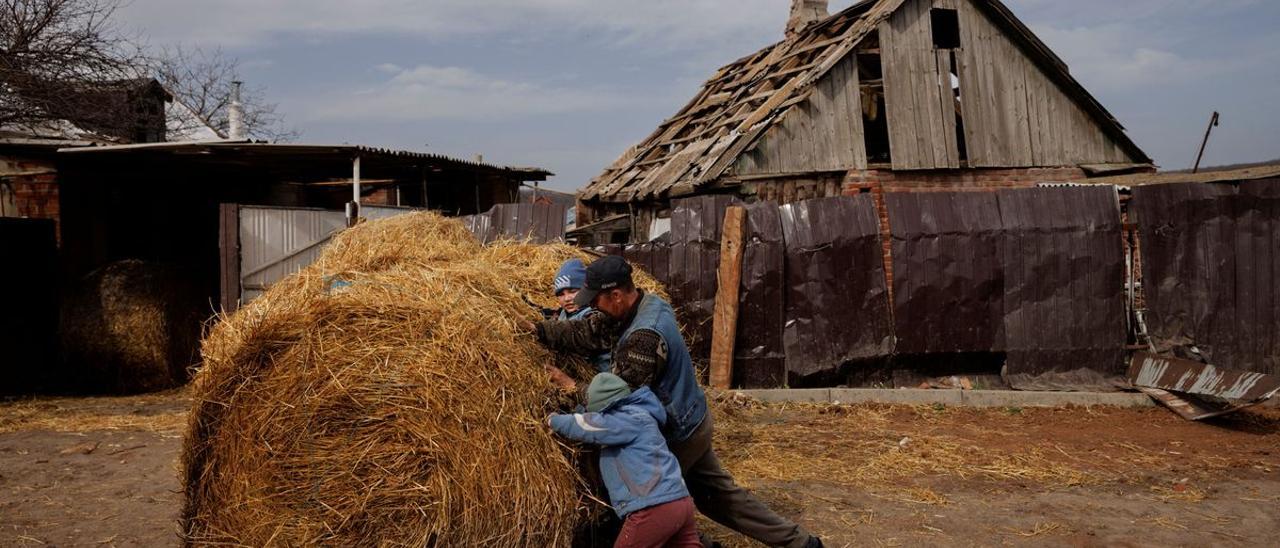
(1064, 303)
(759, 357)
(1211, 271)
(539, 223)
(947, 282)
(836, 304)
(694, 259)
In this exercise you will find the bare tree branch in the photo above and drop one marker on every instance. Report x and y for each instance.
(202, 80)
(64, 60)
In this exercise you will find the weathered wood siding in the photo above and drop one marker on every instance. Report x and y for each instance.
(919, 100)
(822, 133)
(1014, 114)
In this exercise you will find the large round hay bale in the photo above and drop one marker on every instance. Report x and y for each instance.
(383, 396)
(130, 327)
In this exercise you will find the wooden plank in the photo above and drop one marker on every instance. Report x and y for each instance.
(725, 318)
(947, 108)
(229, 256)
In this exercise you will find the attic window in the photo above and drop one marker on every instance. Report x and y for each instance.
(946, 28)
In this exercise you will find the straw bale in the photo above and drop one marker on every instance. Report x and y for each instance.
(384, 396)
(130, 327)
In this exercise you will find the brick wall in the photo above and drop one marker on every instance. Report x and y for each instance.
(36, 196)
(383, 196)
(879, 182)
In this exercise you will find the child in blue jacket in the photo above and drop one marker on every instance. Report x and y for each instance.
(642, 476)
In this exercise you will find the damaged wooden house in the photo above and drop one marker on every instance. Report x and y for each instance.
(885, 96)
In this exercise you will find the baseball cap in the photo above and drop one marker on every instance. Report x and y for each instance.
(603, 274)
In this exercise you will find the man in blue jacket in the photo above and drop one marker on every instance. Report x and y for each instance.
(648, 350)
(643, 477)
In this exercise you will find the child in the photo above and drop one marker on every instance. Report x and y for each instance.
(643, 477)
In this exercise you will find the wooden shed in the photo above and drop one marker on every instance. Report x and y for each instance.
(885, 96)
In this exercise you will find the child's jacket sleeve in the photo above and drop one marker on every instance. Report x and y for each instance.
(596, 428)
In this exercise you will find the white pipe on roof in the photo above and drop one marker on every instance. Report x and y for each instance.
(235, 114)
(355, 180)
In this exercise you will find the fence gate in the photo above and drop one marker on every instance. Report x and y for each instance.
(261, 245)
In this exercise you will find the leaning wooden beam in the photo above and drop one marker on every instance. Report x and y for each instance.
(725, 326)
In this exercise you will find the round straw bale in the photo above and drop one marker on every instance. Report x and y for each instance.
(384, 396)
(131, 327)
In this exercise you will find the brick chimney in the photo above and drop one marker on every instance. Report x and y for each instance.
(805, 13)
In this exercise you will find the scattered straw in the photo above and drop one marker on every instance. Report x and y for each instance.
(385, 396)
(163, 412)
(1178, 493)
(924, 495)
(1040, 529)
(1165, 521)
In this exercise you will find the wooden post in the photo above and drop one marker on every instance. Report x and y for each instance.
(725, 326)
(229, 256)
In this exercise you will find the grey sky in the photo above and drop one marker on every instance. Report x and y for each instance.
(569, 84)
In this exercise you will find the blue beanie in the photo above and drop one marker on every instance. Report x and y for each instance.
(572, 275)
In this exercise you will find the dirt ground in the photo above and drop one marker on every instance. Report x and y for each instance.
(102, 472)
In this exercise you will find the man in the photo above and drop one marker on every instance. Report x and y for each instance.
(569, 281)
(648, 350)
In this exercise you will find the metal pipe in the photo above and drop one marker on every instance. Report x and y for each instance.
(1213, 122)
(355, 180)
(235, 114)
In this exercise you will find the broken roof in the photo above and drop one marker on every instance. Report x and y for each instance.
(747, 97)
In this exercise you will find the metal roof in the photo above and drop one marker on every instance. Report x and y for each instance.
(298, 159)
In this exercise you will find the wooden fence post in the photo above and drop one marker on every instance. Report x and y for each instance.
(725, 320)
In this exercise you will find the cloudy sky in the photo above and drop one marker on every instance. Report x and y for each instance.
(569, 84)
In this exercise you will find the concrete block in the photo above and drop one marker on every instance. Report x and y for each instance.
(906, 396)
(781, 395)
(959, 398)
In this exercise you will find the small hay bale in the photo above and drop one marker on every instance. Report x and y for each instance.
(130, 327)
(383, 396)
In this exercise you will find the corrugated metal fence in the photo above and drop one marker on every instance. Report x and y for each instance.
(541, 223)
(1211, 271)
(1037, 275)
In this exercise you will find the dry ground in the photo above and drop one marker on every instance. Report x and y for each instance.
(101, 472)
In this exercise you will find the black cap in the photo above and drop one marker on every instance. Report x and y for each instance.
(603, 274)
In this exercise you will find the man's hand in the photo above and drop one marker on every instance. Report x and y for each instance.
(526, 326)
(560, 379)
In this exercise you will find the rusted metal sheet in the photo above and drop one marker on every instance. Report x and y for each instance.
(652, 257)
(1197, 390)
(1210, 257)
(694, 260)
(837, 307)
(1062, 257)
(539, 223)
(948, 285)
(760, 361)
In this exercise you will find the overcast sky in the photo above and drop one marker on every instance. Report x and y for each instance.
(569, 84)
